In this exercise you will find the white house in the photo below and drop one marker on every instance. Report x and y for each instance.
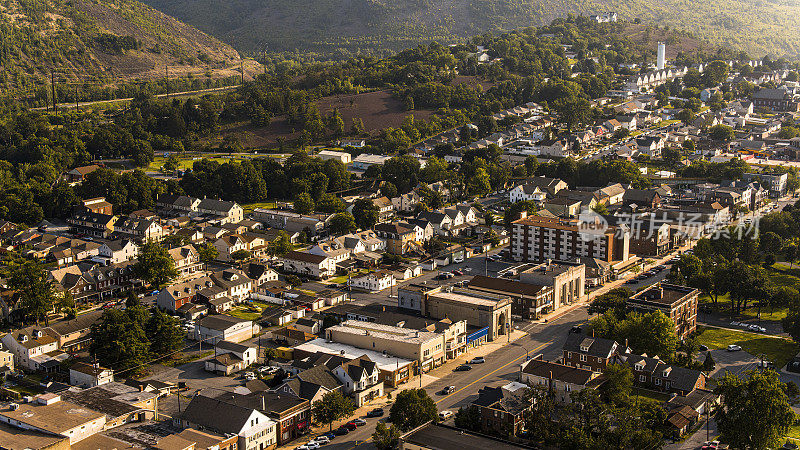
(406, 202)
(526, 192)
(230, 357)
(33, 348)
(88, 375)
(255, 430)
(335, 250)
(374, 281)
(115, 252)
(309, 264)
(222, 327)
(359, 378)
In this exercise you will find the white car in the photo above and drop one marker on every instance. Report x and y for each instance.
(322, 440)
(249, 376)
(734, 348)
(309, 446)
(444, 415)
(735, 324)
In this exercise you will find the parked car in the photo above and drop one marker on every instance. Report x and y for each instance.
(734, 348)
(463, 368)
(377, 412)
(359, 422)
(477, 360)
(444, 415)
(350, 425)
(250, 376)
(735, 323)
(766, 365)
(322, 440)
(342, 430)
(309, 446)
(458, 273)
(330, 435)
(703, 348)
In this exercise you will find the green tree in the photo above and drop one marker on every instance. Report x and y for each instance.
(280, 246)
(715, 73)
(119, 340)
(155, 266)
(332, 407)
(342, 223)
(385, 438)
(708, 363)
(37, 295)
(269, 354)
(365, 213)
(618, 385)
(164, 333)
(241, 255)
(303, 203)
(468, 418)
(357, 127)
(207, 252)
(132, 300)
(171, 164)
(721, 133)
(412, 408)
(755, 412)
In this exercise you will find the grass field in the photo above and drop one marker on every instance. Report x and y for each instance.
(187, 161)
(245, 313)
(249, 207)
(776, 349)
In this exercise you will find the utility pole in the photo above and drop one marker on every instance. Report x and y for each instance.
(166, 78)
(53, 86)
(241, 69)
(77, 104)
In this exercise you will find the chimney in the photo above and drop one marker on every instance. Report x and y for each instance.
(141, 387)
(592, 332)
(626, 343)
(523, 214)
(263, 404)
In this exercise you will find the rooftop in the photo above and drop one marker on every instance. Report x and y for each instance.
(381, 331)
(663, 294)
(388, 363)
(58, 417)
(443, 437)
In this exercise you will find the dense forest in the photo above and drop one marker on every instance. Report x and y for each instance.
(96, 46)
(342, 29)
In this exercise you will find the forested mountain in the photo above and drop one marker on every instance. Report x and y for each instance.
(100, 41)
(343, 27)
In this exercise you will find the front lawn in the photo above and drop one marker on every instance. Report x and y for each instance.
(776, 349)
(250, 207)
(245, 313)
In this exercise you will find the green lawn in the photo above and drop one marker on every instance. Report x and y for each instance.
(249, 207)
(645, 394)
(776, 349)
(245, 313)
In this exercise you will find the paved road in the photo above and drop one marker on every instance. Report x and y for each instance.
(501, 367)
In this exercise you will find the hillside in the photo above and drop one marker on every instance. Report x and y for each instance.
(102, 41)
(345, 26)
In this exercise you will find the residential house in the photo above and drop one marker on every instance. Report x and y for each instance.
(385, 208)
(406, 202)
(98, 205)
(172, 297)
(256, 431)
(527, 190)
(588, 352)
(400, 238)
(186, 260)
(655, 374)
(373, 281)
(260, 274)
(647, 198)
(614, 193)
(141, 230)
(231, 357)
(92, 224)
(118, 251)
(224, 211)
(359, 378)
(78, 174)
(309, 264)
(650, 145)
(34, 349)
(502, 409)
(563, 206)
(89, 375)
(336, 250)
(441, 222)
(311, 384)
(559, 379)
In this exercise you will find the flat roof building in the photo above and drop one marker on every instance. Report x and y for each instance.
(679, 303)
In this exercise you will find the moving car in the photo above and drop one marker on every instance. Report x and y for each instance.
(447, 390)
(477, 360)
(463, 368)
(322, 440)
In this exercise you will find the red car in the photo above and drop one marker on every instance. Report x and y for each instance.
(108, 305)
(458, 272)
